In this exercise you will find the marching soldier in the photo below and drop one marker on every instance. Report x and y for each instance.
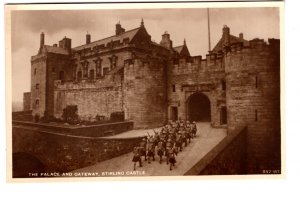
(160, 150)
(143, 146)
(194, 129)
(172, 160)
(136, 157)
(150, 149)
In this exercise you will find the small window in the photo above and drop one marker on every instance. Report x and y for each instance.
(174, 88)
(37, 86)
(223, 85)
(256, 81)
(35, 71)
(256, 115)
(181, 88)
(53, 69)
(105, 70)
(62, 76)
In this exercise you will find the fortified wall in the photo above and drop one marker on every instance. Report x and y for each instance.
(253, 100)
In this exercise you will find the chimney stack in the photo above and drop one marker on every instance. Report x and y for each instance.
(42, 39)
(226, 35)
(166, 41)
(241, 36)
(119, 29)
(88, 38)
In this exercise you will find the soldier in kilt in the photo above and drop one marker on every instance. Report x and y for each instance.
(172, 160)
(136, 157)
(194, 129)
(143, 146)
(160, 150)
(150, 149)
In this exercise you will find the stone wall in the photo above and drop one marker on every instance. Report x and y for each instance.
(59, 67)
(145, 92)
(38, 85)
(26, 101)
(253, 99)
(101, 97)
(64, 153)
(227, 158)
(99, 130)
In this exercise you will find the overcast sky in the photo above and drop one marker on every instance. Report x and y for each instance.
(190, 24)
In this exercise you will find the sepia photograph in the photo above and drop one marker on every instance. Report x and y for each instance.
(143, 90)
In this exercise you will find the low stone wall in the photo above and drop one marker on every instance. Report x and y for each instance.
(100, 130)
(227, 158)
(64, 153)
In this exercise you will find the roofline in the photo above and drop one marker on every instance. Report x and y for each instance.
(105, 38)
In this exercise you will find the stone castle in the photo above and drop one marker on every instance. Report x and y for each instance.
(236, 85)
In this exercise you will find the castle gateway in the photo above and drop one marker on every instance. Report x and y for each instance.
(151, 83)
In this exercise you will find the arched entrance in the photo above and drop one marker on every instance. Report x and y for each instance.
(198, 108)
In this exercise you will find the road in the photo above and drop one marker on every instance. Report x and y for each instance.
(207, 138)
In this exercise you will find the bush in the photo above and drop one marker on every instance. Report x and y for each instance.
(70, 114)
(117, 116)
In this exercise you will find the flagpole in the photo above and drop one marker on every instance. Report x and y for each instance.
(208, 24)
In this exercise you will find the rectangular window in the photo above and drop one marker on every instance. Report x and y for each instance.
(105, 71)
(223, 85)
(256, 81)
(174, 88)
(35, 71)
(37, 86)
(256, 116)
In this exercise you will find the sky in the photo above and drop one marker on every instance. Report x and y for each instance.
(188, 23)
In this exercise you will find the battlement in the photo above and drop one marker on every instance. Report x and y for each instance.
(108, 81)
(254, 44)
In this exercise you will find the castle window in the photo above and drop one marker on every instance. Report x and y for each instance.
(173, 88)
(62, 76)
(85, 66)
(256, 81)
(256, 116)
(126, 40)
(113, 61)
(35, 71)
(53, 69)
(98, 67)
(105, 70)
(181, 88)
(92, 74)
(37, 86)
(79, 76)
(223, 85)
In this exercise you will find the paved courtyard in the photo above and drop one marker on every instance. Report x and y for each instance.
(207, 138)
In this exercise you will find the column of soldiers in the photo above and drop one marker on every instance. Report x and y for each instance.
(166, 143)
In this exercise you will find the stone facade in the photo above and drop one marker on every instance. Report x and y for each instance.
(236, 85)
(27, 101)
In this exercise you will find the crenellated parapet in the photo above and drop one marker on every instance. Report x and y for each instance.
(256, 57)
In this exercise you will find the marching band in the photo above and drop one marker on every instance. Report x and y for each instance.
(167, 143)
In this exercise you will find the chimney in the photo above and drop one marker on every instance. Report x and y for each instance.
(88, 38)
(42, 39)
(226, 35)
(65, 43)
(119, 29)
(241, 36)
(166, 41)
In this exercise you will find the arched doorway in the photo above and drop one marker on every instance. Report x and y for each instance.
(198, 108)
